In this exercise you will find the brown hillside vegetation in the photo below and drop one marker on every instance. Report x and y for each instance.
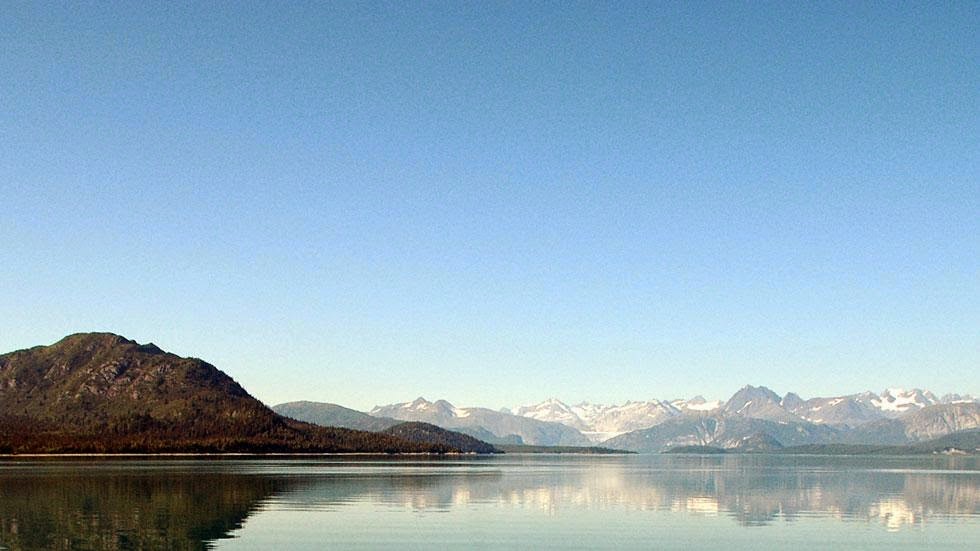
(100, 392)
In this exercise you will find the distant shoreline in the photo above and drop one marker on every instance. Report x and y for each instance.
(239, 454)
(258, 455)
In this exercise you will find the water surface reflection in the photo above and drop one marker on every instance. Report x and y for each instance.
(509, 501)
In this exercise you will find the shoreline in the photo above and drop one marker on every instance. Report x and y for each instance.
(242, 454)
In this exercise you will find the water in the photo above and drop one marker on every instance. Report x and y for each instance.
(525, 502)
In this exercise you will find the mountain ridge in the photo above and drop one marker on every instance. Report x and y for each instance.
(754, 416)
(333, 415)
(501, 424)
(104, 393)
(759, 402)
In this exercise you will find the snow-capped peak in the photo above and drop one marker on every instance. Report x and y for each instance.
(553, 410)
(598, 421)
(899, 400)
(698, 403)
(420, 403)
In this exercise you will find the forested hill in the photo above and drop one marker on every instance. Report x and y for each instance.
(424, 432)
(100, 392)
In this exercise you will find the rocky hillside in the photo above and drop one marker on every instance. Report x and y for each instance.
(730, 430)
(100, 392)
(918, 425)
(722, 431)
(882, 417)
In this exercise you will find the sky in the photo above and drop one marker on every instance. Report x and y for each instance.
(496, 203)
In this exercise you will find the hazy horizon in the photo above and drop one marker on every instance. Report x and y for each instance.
(496, 204)
(365, 407)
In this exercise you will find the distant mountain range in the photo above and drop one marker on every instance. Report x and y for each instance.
(99, 392)
(501, 424)
(333, 415)
(754, 417)
(601, 422)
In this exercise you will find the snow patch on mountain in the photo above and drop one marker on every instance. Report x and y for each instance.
(698, 403)
(599, 421)
(899, 400)
(482, 420)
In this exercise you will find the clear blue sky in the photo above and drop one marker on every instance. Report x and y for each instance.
(503, 202)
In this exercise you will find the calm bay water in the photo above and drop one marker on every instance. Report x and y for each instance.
(526, 502)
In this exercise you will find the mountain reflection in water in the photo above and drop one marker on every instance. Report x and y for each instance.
(196, 504)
